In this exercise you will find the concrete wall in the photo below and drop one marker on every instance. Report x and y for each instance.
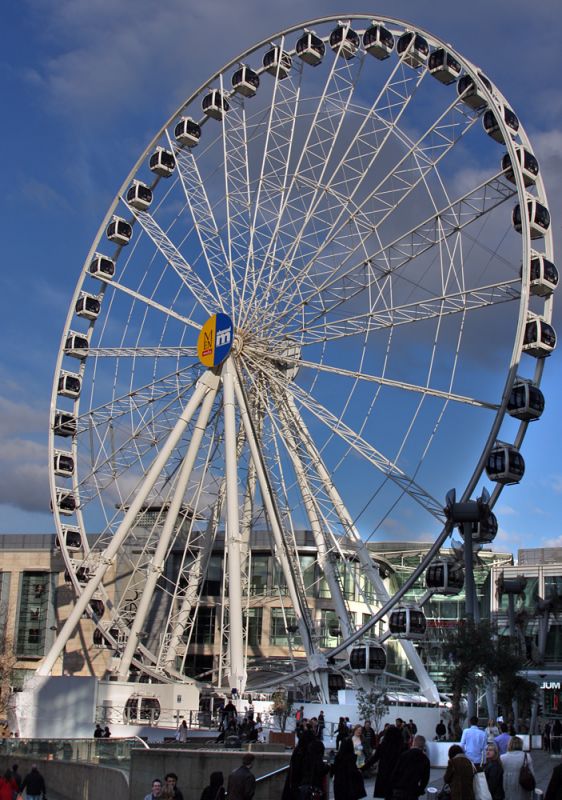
(193, 768)
(74, 781)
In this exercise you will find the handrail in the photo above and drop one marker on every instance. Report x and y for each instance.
(139, 739)
(271, 774)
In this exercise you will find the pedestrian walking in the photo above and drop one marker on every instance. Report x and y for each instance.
(473, 742)
(16, 776)
(348, 781)
(440, 731)
(182, 732)
(8, 786)
(459, 774)
(386, 756)
(34, 784)
(503, 739)
(156, 790)
(554, 788)
(98, 732)
(411, 773)
(215, 789)
(295, 774)
(512, 761)
(494, 771)
(171, 787)
(241, 782)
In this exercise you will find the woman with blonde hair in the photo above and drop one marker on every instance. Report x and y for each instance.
(512, 761)
(493, 771)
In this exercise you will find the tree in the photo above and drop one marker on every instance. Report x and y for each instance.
(373, 705)
(281, 708)
(478, 656)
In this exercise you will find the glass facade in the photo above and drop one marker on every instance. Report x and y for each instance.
(36, 614)
(279, 633)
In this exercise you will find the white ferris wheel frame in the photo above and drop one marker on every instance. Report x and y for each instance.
(293, 429)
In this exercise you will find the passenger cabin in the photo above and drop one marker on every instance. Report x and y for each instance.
(277, 63)
(187, 132)
(514, 585)
(471, 94)
(485, 530)
(84, 575)
(76, 345)
(526, 401)
(344, 41)
(445, 576)
(443, 66)
(98, 608)
(406, 622)
(492, 126)
(71, 538)
(215, 104)
(540, 338)
(119, 231)
(543, 277)
(69, 385)
(88, 306)
(528, 164)
(245, 81)
(66, 502)
(99, 639)
(413, 49)
(539, 218)
(64, 424)
(378, 41)
(310, 48)
(505, 464)
(102, 267)
(139, 195)
(368, 659)
(162, 162)
(63, 464)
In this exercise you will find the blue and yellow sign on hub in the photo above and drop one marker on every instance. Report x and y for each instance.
(215, 340)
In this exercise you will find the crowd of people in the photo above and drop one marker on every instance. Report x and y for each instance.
(241, 784)
(398, 754)
(12, 785)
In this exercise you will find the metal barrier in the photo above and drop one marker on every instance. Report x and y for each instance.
(113, 752)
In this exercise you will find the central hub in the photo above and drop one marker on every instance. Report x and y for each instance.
(216, 339)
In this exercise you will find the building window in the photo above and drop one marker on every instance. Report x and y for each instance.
(204, 626)
(212, 585)
(253, 618)
(279, 632)
(34, 606)
(259, 575)
(330, 629)
(195, 664)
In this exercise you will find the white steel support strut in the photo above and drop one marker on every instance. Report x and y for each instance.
(159, 557)
(190, 595)
(324, 558)
(299, 604)
(203, 386)
(237, 666)
(427, 686)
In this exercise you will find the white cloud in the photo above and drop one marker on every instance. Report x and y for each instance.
(24, 480)
(506, 511)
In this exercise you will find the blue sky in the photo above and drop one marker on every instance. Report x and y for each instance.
(85, 84)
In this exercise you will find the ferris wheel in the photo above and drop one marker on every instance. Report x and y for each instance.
(321, 298)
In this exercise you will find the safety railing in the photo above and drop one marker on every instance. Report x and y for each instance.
(114, 752)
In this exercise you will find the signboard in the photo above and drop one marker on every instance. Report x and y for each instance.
(215, 340)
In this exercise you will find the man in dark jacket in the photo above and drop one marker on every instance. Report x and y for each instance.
(411, 773)
(241, 782)
(554, 788)
(34, 784)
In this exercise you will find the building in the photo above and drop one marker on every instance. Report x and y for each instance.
(37, 596)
